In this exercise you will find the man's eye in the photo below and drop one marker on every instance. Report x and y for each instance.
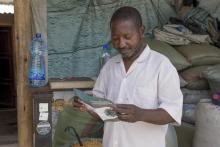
(114, 39)
(127, 37)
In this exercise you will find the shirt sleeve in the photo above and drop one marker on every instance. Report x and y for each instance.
(169, 93)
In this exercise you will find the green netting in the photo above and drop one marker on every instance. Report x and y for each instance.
(77, 30)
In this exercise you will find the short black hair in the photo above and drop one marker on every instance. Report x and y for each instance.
(127, 13)
(190, 3)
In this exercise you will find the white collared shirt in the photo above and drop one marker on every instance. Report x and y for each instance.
(151, 82)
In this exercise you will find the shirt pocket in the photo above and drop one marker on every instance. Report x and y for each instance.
(145, 98)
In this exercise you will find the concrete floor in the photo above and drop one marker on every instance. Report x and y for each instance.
(8, 139)
(8, 128)
(185, 134)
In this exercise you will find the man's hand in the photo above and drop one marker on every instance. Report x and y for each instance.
(128, 112)
(132, 113)
(78, 105)
(81, 107)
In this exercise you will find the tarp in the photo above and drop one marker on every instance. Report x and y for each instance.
(78, 29)
(212, 6)
(39, 17)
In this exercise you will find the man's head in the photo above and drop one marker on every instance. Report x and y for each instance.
(127, 32)
(127, 13)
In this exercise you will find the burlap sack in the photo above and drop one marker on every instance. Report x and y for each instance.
(213, 75)
(194, 79)
(189, 113)
(175, 57)
(200, 54)
(207, 126)
(83, 122)
(194, 96)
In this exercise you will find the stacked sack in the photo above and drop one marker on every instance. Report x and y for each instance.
(207, 126)
(191, 37)
(212, 74)
(193, 62)
(202, 57)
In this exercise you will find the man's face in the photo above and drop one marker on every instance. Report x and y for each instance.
(127, 38)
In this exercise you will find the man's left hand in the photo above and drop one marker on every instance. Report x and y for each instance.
(128, 112)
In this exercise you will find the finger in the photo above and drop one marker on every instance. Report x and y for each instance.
(78, 104)
(123, 117)
(121, 110)
(83, 109)
(112, 106)
(124, 106)
(76, 98)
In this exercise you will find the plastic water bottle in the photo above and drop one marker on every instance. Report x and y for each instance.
(37, 66)
(105, 54)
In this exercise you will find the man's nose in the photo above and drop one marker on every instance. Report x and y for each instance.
(122, 43)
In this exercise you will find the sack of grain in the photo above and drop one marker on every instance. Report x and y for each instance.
(194, 96)
(189, 113)
(175, 57)
(170, 38)
(213, 75)
(194, 79)
(200, 54)
(83, 122)
(183, 83)
(207, 126)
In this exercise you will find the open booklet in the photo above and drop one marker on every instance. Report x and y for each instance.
(101, 106)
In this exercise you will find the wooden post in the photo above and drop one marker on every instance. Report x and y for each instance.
(22, 24)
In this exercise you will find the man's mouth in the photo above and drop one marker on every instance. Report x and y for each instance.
(124, 51)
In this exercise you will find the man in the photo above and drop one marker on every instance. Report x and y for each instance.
(143, 84)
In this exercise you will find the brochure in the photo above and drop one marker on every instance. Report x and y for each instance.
(101, 106)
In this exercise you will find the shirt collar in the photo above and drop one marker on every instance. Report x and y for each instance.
(140, 59)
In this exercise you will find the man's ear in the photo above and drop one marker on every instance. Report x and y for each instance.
(142, 29)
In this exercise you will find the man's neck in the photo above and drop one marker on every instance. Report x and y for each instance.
(128, 61)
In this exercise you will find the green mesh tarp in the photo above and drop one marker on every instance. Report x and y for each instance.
(77, 29)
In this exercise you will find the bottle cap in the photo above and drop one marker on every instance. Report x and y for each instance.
(38, 35)
(105, 46)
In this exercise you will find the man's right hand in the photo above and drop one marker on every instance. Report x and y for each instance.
(78, 105)
(81, 107)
